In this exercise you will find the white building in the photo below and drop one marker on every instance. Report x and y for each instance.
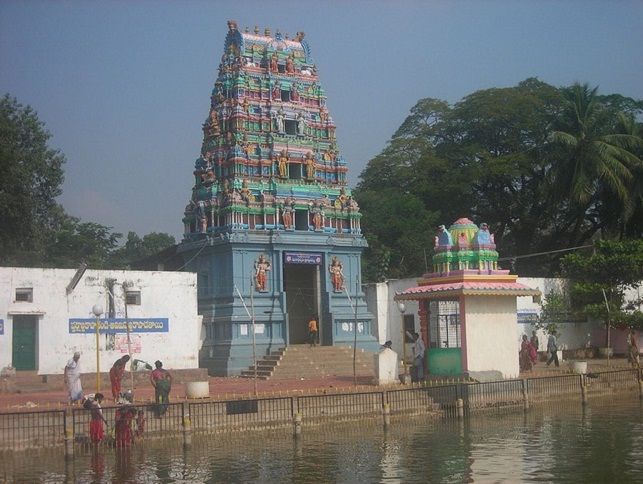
(47, 314)
(388, 320)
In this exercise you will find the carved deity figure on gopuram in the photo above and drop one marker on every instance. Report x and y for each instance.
(268, 136)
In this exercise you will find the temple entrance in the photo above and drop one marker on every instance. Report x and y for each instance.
(445, 340)
(302, 299)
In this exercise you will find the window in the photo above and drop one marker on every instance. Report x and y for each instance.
(409, 328)
(291, 127)
(444, 324)
(133, 298)
(24, 294)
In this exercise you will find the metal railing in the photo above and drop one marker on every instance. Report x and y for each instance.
(241, 414)
(31, 429)
(28, 430)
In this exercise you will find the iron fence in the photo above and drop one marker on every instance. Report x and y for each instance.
(437, 400)
(142, 421)
(611, 381)
(241, 414)
(557, 386)
(30, 429)
(495, 395)
(27, 430)
(340, 406)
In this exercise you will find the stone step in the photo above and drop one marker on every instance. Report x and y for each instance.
(302, 361)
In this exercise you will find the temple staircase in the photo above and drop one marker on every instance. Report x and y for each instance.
(301, 361)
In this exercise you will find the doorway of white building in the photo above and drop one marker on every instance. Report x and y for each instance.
(25, 332)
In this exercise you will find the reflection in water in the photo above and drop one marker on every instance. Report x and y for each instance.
(602, 442)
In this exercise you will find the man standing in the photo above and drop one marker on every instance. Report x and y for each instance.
(312, 332)
(418, 362)
(552, 347)
(72, 378)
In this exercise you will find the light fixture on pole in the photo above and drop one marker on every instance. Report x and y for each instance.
(402, 308)
(97, 310)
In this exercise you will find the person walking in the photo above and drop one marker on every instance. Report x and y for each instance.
(418, 352)
(72, 378)
(116, 376)
(312, 331)
(552, 347)
(162, 382)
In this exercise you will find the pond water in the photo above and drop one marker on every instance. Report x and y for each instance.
(601, 443)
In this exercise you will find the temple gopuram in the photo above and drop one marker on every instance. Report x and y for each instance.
(271, 227)
(468, 306)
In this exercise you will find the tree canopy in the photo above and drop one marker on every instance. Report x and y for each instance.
(599, 281)
(547, 168)
(34, 228)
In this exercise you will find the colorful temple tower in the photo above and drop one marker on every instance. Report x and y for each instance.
(271, 227)
(467, 306)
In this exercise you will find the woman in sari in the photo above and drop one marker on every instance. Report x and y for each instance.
(72, 378)
(123, 431)
(162, 382)
(116, 376)
(526, 354)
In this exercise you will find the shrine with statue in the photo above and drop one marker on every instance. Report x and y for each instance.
(271, 227)
(467, 306)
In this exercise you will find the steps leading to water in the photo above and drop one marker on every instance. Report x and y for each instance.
(302, 361)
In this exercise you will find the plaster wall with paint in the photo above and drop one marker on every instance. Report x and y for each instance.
(48, 314)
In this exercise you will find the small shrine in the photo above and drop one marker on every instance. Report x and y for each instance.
(467, 306)
(270, 217)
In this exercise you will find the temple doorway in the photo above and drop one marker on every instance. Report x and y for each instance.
(301, 285)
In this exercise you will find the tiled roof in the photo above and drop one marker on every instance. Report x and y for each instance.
(468, 288)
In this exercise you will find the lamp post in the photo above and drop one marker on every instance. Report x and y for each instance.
(97, 310)
(402, 308)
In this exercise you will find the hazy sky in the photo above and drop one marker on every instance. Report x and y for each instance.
(125, 86)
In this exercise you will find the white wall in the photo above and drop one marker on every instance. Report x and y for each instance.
(490, 333)
(164, 295)
(387, 325)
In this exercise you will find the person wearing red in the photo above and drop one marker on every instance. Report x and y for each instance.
(96, 432)
(116, 376)
(161, 380)
(123, 431)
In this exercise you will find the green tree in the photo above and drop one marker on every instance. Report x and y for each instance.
(594, 168)
(503, 156)
(31, 174)
(599, 280)
(78, 242)
(136, 248)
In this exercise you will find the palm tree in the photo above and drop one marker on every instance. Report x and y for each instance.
(593, 158)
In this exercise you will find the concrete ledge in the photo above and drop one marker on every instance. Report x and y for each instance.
(197, 389)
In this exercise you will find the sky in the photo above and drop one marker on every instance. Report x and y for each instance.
(124, 87)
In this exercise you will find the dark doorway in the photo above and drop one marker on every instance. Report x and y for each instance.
(24, 342)
(301, 291)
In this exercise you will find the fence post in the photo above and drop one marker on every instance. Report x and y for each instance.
(459, 404)
(525, 395)
(583, 389)
(387, 414)
(640, 388)
(187, 426)
(297, 424)
(69, 438)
